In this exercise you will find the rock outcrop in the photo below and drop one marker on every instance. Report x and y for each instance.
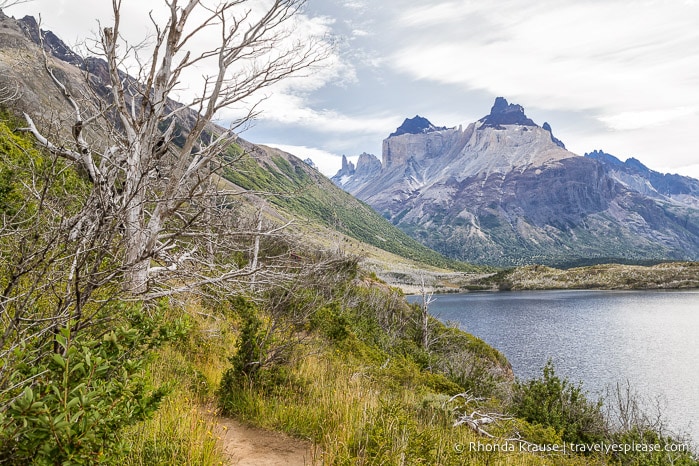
(309, 161)
(416, 125)
(555, 140)
(368, 166)
(502, 114)
(351, 178)
(398, 149)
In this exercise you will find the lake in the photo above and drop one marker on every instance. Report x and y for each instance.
(598, 338)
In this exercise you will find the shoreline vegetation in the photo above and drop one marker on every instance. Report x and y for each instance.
(360, 389)
(663, 276)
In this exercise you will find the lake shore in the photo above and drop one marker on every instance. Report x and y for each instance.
(665, 276)
(597, 337)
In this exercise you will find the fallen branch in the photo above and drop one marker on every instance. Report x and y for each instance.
(476, 419)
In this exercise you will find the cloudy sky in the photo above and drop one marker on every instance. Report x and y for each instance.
(617, 75)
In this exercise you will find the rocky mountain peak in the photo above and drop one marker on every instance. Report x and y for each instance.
(309, 161)
(52, 43)
(503, 113)
(636, 164)
(368, 165)
(416, 125)
(347, 167)
(504, 191)
(350, 176)
(604, 157)
(634, 175)
(556, 141)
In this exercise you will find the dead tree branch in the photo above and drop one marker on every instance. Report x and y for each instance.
(140, 174)
(474, 418)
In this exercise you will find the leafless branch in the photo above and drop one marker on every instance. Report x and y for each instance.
(146, 214)
(474, 418)
(141, 177)
(10, 94)
(10, 3)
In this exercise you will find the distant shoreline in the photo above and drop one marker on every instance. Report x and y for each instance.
(665, 276)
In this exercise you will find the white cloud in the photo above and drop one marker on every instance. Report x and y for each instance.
(327, 162)
(637, 120)
(624, 74)
(290, 109)
(355, 4)
(634, 65)
(77, 20)
(689, 170)
(625, 56)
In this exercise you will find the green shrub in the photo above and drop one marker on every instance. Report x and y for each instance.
(83, 395)
(554, 402)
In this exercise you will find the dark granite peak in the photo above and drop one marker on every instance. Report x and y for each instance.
(636, 164)
(604, 157)
(503, 113)
(416, 125)
(52, 43)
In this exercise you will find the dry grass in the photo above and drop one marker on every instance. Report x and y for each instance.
(357, 416)
(185, 429)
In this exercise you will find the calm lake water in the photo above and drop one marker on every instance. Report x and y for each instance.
(597, 337)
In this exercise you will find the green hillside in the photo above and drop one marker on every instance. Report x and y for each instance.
(304, 193)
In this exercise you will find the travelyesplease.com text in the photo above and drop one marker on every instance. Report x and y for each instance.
(602, 447)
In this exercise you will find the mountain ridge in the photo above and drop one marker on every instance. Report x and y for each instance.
(505, 191)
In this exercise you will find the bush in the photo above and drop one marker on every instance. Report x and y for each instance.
(82, 396)
(554, 402)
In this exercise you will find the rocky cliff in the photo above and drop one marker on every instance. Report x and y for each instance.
(350, 178)
(505, 191)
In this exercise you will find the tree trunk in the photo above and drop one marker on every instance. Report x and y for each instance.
(136, 280)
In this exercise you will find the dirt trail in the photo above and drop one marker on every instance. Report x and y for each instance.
(250, 446)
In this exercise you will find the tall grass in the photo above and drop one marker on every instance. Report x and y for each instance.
(184, 431)
(181, 433)
(357, 418)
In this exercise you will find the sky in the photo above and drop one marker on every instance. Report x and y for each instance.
(617, 75)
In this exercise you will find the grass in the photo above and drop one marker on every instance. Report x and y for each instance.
(366, 415)
(361, 396)
(180, 433)
(185, 430)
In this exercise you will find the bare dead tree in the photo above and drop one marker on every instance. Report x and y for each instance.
(148, 211)
(627, 410)
(9, 3)
(425, 314)
(140, 174)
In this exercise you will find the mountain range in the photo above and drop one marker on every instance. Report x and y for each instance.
(502, 191)
(505, 191)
